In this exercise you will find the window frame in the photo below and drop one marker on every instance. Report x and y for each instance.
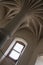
(20, 41)
(15, 50)
(11, 46)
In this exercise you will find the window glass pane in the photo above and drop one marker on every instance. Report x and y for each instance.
(39, 60)
(14, 55)
(18, 47)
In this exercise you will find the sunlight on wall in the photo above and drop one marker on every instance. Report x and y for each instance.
(39, 60)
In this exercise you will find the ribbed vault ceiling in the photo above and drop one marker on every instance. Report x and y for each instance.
(33, 19)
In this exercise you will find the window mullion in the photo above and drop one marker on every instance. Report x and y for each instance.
(16, 51)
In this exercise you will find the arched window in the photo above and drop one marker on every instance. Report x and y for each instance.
(17, 49)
